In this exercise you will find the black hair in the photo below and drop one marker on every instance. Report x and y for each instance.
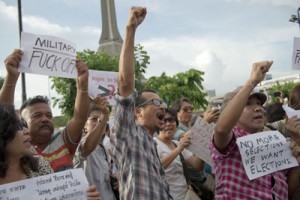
(140, 99)
(172, 112)
(274, 112)
(178, 103)
(294, 100)
(9, 125)
(33, 100)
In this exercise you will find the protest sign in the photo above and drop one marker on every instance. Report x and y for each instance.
(296, 54)
(290, 112)
(48, 55)
(265, 152)
(70, 184)
(103, 83)
(200, 135)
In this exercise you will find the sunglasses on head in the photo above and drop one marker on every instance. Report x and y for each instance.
(156, 102)
(187, 108)
(170, 120)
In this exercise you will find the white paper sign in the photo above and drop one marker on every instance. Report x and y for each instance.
(296, 54)
(48, 55)
(200, 135)
(70, 184)
(103, 83)
(290, 112)
(265, 152)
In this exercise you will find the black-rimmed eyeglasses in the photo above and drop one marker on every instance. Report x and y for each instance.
(156, 102)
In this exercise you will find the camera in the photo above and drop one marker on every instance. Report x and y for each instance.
(276, 94)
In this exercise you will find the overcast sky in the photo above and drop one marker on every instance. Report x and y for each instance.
(220, 37)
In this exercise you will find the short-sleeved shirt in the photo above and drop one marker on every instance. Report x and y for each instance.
(44, 168)
(59, 151)
(174, 172)
(135, 154)
(231, 178)
(96, 169)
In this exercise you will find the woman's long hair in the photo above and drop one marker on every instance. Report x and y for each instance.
(9, 125)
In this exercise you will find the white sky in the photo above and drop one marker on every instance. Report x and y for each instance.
(220, 37)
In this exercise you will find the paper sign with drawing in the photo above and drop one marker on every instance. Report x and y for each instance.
(103, 83)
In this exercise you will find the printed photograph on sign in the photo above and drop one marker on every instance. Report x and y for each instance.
(103, 83)
(48, 55)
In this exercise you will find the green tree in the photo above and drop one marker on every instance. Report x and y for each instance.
(97, 61)
(286, 88)
(141, 64)
(1, 81)
(187, 84)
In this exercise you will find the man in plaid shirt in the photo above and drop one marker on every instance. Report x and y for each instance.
(137, 118)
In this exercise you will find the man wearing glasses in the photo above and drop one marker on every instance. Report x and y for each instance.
(137, 118)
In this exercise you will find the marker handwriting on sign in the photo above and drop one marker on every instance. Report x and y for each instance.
(297, 57)
(61, 46)
(52, 62)
(265, 152)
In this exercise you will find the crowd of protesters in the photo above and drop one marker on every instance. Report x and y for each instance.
(147, 141)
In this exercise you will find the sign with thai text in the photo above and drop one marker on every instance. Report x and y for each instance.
(69, 184)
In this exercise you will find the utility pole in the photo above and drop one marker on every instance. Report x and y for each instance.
(24, 96)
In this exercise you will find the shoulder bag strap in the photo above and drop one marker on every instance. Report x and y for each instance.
(184, 166)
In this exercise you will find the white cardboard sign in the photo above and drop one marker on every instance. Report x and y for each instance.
(48, 55)
(69, 184)
(290, 112)
(103, 83)
(200, 135)
(265, 152)
(296, 54)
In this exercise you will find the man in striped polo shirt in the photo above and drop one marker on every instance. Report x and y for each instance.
(58, 148)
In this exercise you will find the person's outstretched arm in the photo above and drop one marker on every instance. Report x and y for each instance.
(126, 63)
(98, 132)
(82, 103)
(232, 112)
(12, 63)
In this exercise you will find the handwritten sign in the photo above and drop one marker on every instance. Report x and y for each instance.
(48, 55)
(290, 112)
(103, 83)
(200, 135)
(70, 184)
(265, 152)
(296, 54)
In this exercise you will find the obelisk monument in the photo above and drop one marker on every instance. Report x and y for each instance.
(110, 40)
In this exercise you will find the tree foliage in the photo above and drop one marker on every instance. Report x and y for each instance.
(186, 84)
(286, 88)
(97, 61)
(1, 81)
